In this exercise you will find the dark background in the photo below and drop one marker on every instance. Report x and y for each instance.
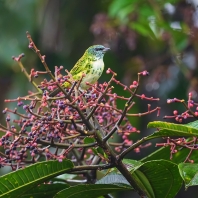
(158, 36)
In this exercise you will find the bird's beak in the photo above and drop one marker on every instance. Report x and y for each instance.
(106, 49)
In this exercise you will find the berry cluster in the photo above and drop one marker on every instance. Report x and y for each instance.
(191, 109)
(74, 124)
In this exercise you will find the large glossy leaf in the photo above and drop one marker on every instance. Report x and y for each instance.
(17, 183)
(163, 176)
(143, 182)
(170, 129)
(189, 173)
(90, 190)
(158, 178)
(133, 166)
(44, 190)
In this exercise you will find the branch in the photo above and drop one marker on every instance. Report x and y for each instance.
(121, 118)
(64, 145)
(42, 58)
(135, 145)
(91, 167)
(101, 97)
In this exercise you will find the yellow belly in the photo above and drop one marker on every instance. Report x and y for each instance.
(94, 74)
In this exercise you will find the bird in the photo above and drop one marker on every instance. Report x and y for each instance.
(90, 66)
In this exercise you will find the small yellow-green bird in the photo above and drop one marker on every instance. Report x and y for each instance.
(90, 64)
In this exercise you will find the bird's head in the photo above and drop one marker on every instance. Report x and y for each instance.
(97, 51)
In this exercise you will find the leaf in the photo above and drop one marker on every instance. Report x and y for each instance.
(142, 28)
(66, 176)
(90, 190)
(62, 178)
(146, 11)
(44, 190)
(17, 183)
(88, 140)
(100, 150)
(189, 173)
(170, 129)
(158, 178)
(193, 124)
(161, 153)
(94, 151)
(180, 38)
(131, 164)
(113, 179)
(118, 6)
(101, 153)
(143, 183)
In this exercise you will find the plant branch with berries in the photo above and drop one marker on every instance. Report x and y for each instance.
(85, 130)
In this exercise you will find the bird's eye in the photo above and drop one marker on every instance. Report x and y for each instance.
(99, 49)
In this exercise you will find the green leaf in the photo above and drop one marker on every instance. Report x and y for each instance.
(17, 183)
(146, 10)
(90, 190)
(182, 43)
(124, 12)
(170, 129)
(158, 178)
(44, 190)
(94, 151)
(131, 164)
(189, 173)
(113, 179)
(193, 124)
(161, 153)
(142, 28)
(118, 6)
(66, 176)
(100, 150)
(62, 178)
(180, 38)
(88, 140)
(143, 182)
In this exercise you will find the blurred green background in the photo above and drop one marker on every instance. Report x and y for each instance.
(155, 35)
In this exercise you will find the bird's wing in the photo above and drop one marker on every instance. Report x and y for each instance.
(79, 68)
